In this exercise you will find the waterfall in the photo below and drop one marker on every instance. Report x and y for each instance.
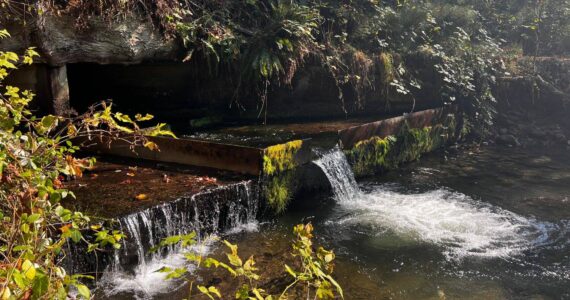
(337, 170)
(459, 224)
(133, 268)
(208, 212)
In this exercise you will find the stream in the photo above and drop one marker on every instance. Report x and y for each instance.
(490, 223)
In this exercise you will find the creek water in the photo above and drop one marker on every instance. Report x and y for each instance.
(487, 224)
(491, 223)
(133, 271)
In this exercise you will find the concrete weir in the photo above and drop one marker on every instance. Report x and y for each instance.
(280, 155)
(241, 155)
(152, 201)
(187, 187)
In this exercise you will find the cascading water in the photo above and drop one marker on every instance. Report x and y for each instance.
(458, 224)
(133, 269)
(340, 175)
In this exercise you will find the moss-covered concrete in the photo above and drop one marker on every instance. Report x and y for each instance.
(279, 158)
(378, 154)
(279, 162)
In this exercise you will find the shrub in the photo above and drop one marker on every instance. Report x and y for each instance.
(36, 154)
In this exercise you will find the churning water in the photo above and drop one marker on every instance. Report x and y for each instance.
(338, 172)
(493, 224)
(455, 222)
(134, 271)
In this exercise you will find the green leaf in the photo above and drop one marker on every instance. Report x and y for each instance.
(75, 235)
(20, 248)
(205, 291)
(83, 291)
(243, 292)
(19, 280)
(33, 218)
(40, 287)
(177, 273)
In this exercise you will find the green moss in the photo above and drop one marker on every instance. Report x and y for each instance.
(370, 154)
(380, 154)
(386, 62)
(278, 169)
(280, 157)
(278, 192)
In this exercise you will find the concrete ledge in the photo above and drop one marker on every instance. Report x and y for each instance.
(350, 136)
(241, 159)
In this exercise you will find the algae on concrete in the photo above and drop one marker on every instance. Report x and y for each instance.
(279, 158)
(379, 154)
(278, 173)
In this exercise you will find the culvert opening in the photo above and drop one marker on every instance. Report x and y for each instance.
(170, 91)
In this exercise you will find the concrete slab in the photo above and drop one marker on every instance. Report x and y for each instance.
(115, 188)
(241, 149)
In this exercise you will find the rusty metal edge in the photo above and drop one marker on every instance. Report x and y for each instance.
(383, 128)
(240, 159)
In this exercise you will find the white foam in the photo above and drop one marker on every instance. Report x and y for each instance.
(463, 226)
(458, 223)
(146, 282)
(250, 226)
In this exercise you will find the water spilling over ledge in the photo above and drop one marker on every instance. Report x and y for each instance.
(181, 201)
(134, 268)
(454, 221)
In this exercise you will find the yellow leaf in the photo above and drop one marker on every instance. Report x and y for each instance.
(142, 118)
(28, 269)
(215, 291)
(141, 197)
(65, 228)
(6, 293)
(71, 130)
(152, 146)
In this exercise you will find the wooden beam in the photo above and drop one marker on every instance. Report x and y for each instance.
(59, 90)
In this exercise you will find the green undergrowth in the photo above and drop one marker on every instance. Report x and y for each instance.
(379, 154)
(278, 174)
(278, 191)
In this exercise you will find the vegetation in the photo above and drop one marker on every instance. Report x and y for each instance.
(385, 49)
(36, 155)
(280, 158)
(278, 172)
(314, 277)
(278, 191)
(378, 154)
(377, 52)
